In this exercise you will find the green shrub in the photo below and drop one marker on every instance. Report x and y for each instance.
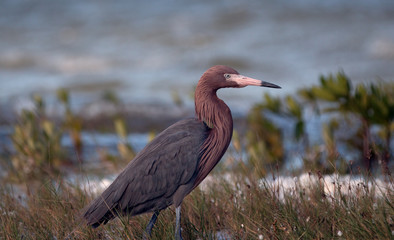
(344, 106)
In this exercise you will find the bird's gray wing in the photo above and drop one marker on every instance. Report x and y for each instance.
(150, 180)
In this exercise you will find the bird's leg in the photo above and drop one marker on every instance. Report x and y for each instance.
(178, 235)
(150, 225)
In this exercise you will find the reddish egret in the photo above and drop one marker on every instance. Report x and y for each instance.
(177, 160)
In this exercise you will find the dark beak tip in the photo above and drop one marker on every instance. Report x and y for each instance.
(270, 85)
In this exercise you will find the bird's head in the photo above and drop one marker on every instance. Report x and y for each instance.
(220, 76)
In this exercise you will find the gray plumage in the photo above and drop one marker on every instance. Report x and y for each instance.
(177, 160)
(160, 175)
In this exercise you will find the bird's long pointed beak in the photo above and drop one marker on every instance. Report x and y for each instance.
(244, 81)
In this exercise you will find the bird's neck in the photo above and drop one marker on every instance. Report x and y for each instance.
(213, 112)
(217, 116)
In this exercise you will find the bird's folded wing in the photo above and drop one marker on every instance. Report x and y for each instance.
(166, 163)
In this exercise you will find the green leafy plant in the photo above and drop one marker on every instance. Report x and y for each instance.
(372, 105)
(335, 97)
(265, 144)
(125, 150)
(36, 140)
(72, 123)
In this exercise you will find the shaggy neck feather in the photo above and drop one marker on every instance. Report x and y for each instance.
(217, 116)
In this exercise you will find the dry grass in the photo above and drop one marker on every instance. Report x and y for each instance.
(242, 209)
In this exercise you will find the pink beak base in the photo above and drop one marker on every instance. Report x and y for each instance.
(244, 81)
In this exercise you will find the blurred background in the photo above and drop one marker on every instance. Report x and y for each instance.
(146, 51)
(91, 72)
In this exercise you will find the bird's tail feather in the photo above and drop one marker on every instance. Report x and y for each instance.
(98, 212)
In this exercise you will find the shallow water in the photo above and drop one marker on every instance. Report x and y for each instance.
(144, 51)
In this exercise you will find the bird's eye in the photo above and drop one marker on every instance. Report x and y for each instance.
(227, 76)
